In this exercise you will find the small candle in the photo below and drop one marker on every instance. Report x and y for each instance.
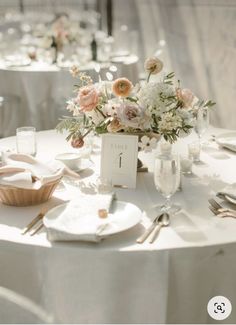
(165, 147)
(186, 165)
(194, 150)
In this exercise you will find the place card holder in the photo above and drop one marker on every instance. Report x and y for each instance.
(119, 159)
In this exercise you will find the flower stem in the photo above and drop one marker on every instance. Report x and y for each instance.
(149, 75)
(98, 109)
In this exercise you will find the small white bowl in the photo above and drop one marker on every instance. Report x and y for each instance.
(70, 159)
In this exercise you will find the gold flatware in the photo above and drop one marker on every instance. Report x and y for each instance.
(39, 217)
(33, 222)
(148, 231)
(220, 211)
(163, 221)
(37, 229)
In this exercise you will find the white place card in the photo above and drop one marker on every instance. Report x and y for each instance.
(119, 159)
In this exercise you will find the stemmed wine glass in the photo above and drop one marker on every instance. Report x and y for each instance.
(167, 179)
(201, 122)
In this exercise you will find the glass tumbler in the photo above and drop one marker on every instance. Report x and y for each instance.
(26, 140)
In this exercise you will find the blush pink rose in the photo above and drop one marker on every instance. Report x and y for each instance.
(87, 98)
(186, 96)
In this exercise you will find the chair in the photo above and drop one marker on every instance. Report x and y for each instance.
(17, 309)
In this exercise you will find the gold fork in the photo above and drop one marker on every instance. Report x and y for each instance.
(219, 210)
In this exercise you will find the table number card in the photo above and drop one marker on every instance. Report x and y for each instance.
(119, 159)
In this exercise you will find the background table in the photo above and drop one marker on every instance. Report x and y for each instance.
(37, 94)
(117, 280)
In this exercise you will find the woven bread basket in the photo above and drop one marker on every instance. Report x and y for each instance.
(21, 197)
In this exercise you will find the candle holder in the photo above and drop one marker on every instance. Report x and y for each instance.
(194, 150)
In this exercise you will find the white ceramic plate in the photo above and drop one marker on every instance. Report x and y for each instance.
(230, 199)
(124, 216)
(229, 137)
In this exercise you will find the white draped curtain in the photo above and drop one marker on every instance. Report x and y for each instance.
(196, 39)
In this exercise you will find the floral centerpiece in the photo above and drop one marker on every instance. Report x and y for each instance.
(60, 33)
(150, 110)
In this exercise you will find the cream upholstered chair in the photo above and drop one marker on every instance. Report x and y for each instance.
(17, 309)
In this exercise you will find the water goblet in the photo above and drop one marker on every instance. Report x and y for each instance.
(167, 179)
(201, 122)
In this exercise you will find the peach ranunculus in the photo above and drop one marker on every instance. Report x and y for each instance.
(114, 126)
(186, 96)
(153, 65)
(122, 87)
(87, 98)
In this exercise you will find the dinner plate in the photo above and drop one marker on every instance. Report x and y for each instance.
(123, 215)
(226, 138)
(230, 199)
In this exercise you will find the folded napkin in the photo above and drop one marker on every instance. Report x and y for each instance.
(80, 221)
(24, 171)
(228, 143)
(229, 190)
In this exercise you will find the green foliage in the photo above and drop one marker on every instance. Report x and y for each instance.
(168, 78)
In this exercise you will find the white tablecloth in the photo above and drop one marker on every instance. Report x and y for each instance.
(117, 280)
(37, 94)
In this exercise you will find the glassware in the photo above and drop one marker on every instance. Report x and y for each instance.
(186, 164)
(167, 179)
(165, 147)
(194, 150)
(104, 185)
(26, 140)
(201, 122)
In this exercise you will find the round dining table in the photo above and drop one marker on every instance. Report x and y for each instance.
(36, 93)
(118, 280)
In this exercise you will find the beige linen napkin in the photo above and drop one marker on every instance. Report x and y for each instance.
(24, 171)
(80, 221)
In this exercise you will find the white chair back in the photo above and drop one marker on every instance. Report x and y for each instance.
(17, 309)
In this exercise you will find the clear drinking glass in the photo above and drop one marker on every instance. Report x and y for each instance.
(194, 150)
(26, 140)
(167, 178)
(201, 122)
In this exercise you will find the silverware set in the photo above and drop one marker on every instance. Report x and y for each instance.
(162, 220)
(220, 211)
(36, 224)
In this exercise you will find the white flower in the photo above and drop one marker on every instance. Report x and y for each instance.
(112, 107)
(156, 97)
(74, 70)
(96, 117)
(147, 144)
(169, 122)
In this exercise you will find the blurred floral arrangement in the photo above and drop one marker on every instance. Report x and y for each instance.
(59, 33)
(149, 110)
